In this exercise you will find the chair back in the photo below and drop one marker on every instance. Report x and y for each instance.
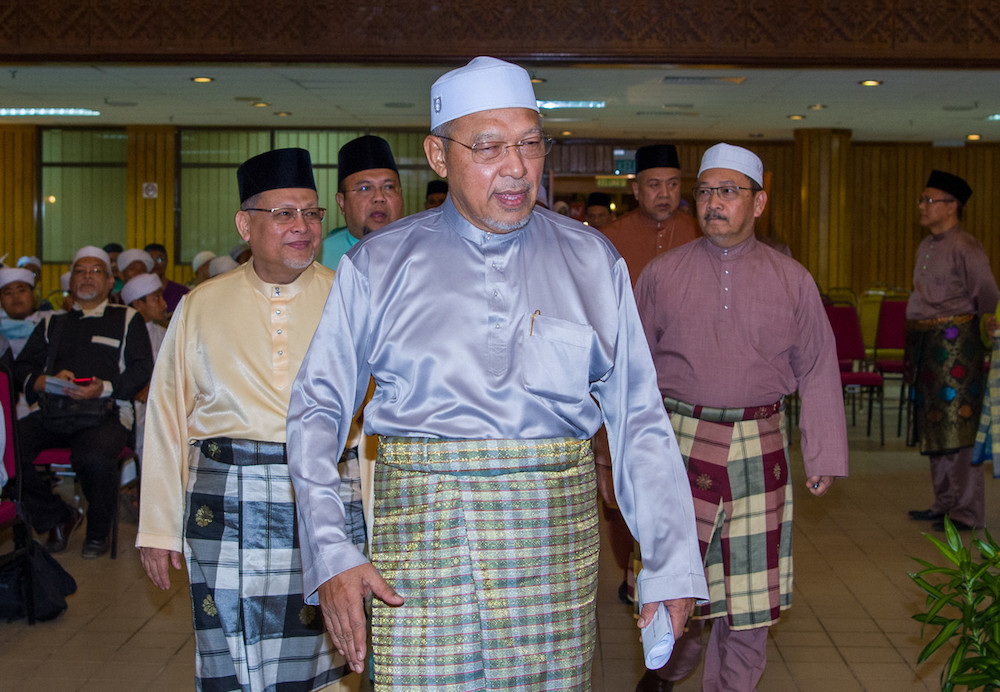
(847, 332)
(8, 510)
(891, 325)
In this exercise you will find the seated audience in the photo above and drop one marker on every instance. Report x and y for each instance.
(172, 291)
(144, 293)
(221, 265)
(96, 351)
(199, 265)
(133, 262)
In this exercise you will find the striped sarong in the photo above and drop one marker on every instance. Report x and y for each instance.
(987, 446)
(493, 544)
(945, 364)
(253, 629)
(738, 470)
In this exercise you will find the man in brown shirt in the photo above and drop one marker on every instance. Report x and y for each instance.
(657, 225)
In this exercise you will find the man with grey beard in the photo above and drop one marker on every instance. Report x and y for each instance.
(96, 352)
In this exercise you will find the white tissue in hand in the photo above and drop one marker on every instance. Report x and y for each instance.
(658, 639)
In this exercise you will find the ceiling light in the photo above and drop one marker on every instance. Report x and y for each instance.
(870, 82)
(282, 114)
(796, 117)
(47, 111)
(566, 133)
(535, 79)
(260, 104)
(973, 138)
(995, 116)
(817, 106)
(550, 105)
(202, 80)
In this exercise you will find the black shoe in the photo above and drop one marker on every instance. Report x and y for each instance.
(651, 682)
(623, 593)
(94, 547)
(925, 515)
(960, 525)
(59, 535)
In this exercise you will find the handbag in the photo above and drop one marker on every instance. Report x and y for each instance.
(51, 584)
(65, 415)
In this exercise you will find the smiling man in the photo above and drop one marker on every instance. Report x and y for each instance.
(368, 194)
(490, 326)
(214, 483)
(735, 326)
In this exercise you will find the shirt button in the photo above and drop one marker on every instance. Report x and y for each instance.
(280, 353)
(725, 307)
(497, 326)
(727, 271)
(277, 312)
(279, 331)
(725, 289)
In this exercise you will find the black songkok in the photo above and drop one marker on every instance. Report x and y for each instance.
(952, 184)
(273, 170)
(363, 154)
(599, 199)
(656, 156)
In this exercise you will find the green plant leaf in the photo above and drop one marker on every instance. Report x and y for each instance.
(949, 553)
(946, 632)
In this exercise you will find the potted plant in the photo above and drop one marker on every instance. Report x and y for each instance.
(963, 600)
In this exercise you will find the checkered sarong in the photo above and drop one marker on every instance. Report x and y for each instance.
(987, 446)
(253, 630)
(493, 545)
(743, 509)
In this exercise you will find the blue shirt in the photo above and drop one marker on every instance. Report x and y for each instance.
(477, 335)
(335, 245)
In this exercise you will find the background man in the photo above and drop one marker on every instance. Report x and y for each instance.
(199, 265)
(734, 326)
(172, 291)
(223, 379)
(17, 298)
(953, 286)
(598, 212)
(437, 190)
(485, 521)
(656, 226)
(133, 262)
(369, 194)
(107, 344)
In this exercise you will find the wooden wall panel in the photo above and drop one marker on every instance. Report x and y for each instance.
(151, 159)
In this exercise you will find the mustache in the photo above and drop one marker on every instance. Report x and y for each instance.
(515, 190)
(713, 216)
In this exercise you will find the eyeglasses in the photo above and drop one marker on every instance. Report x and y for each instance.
(486, 152)
(93, 271)
(932, 200)
(727, 193)
(367, 190)
(284, 216)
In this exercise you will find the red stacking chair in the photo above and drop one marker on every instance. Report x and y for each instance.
(890, 345)
(851, 349)
(10, 510)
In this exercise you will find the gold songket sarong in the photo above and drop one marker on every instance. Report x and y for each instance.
(493, 545)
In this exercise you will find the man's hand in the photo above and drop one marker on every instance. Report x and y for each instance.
(342, 601)
(157, 562)
(818, 485)
(87, 391)
(679, 609)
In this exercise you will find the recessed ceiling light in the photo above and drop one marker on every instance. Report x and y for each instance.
(796, 117)
(817, 106)
(282, 114)
(202, 80)
(260, 104)
(550, 105)
(870, 82)
(16, 112)
(535, 79)
(566, 133)
(973, 138)
(995, 116)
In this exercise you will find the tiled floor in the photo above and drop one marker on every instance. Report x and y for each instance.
(849, 629)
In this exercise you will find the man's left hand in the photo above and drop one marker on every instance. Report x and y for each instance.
(818, 485)
(87, 391)
(679, 609)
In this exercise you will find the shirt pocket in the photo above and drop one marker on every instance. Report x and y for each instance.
(556, 356)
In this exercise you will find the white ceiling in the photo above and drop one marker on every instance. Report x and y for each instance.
(707, 103)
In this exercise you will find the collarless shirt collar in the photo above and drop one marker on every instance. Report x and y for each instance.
(475, 235)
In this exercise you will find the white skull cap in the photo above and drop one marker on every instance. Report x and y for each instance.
(735, 159)
(484, 84)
